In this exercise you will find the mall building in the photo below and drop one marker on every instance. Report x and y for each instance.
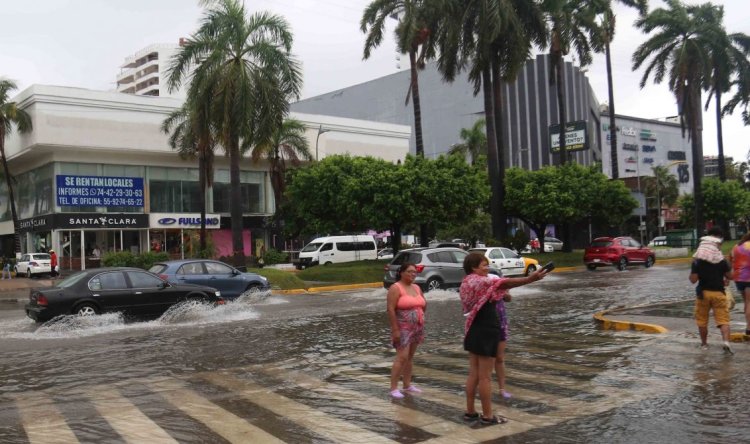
(97, 171)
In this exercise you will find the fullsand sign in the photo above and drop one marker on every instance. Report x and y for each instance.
(575, 137)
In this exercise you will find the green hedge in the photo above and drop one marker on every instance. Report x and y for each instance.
(128, 259)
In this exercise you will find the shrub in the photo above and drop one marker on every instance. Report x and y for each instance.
(273, 256)
(128, 259)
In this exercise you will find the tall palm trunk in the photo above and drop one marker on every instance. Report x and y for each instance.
(419, 143)
(720, 138)
(235, 207)
(697, 151)
(203, 180)
(11, 196)
(497, 107)
(612, 127)
(492, 157)
(558, 60)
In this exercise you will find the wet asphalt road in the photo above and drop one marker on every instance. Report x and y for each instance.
(313, 368)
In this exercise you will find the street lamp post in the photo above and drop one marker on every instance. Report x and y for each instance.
(317, 139)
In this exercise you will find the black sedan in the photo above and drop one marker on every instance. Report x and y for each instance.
(129, 290)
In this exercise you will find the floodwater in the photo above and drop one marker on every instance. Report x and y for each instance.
(314, 368)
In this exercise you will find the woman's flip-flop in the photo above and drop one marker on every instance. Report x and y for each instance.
(497, 419)
(471, 416)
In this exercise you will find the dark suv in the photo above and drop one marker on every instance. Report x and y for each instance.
(436, 267)
(617, 251)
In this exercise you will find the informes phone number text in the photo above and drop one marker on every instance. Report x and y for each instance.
(95, 191)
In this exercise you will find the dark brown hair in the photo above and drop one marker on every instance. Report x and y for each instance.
(472, 261)
(404, 266)
(745, 237)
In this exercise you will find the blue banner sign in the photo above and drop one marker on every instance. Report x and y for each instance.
(97, 191)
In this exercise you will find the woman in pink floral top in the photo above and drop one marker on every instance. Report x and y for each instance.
(479, 296)
(740, 258)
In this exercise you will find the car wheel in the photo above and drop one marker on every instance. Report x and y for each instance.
(433, 284)
(649, 261)
(328, 263)
(591, 267)
(530, 269)
(86, 309)
(28, 273)
(622, 263)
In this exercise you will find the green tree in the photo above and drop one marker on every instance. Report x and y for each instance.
(191, 134)
(357, 193)
(572, 26)
(10, 116)
(664, 188)
(680, 48)
(722, 201)
(474, 142)
(477, 228)
(603, 40)
(244, 70)
(571, 193)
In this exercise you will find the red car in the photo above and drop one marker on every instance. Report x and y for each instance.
(617, 251)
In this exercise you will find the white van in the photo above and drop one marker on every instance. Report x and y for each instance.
(335, 249)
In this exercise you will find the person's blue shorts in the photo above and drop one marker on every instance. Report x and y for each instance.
(741, 286)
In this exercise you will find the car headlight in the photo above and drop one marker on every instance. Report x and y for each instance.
(217, 293)
(265, 280)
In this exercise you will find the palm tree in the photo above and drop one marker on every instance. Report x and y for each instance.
(604, 38)
(288, 144)
(192, 136)
(664, 188)
(572, 24)
(245, 72)
(474, 142)
(413, 31)
(11, 115)
(681, 49)
(494, 39)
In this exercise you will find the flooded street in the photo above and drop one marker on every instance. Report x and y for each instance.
(314, 368)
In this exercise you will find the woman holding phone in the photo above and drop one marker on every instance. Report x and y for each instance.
(406, 307)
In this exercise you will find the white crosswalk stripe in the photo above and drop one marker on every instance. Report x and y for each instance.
(127, 420)
(42, 421)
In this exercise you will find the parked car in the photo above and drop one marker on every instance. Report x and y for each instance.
(508, 261)
(617, 251)
(120, 289)
(658, 241)
(556, 243)
(227, 279)
(33, 264)
(385, 253)
(548, 248)
(437, 267)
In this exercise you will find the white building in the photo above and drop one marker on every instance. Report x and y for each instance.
(97, 171)
(145, 72)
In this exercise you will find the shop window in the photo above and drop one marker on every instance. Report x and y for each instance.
(251, 197)
(34, 192)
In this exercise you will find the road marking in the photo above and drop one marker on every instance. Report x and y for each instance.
(223, 422)
(126, 419)
(316, 420)
(357, 400)
(43, 421)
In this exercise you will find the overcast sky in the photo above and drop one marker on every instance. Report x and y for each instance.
(83, 42)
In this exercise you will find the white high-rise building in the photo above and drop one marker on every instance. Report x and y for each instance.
(145, 72)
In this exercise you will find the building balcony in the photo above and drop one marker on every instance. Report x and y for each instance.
(149, 90)
(146, 78)
(126, 76)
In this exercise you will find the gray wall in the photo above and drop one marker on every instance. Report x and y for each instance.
(530, 106)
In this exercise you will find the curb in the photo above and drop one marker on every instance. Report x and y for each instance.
(344, 287)
(609, 324)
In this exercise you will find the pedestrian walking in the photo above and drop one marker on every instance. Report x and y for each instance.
(711, 271)
(53, 263)
(406, 307)
(483, 334)
(6, 268)
(740, 258)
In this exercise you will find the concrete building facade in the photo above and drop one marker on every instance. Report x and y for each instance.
(97, 171)
(145, 72)
(530, 109)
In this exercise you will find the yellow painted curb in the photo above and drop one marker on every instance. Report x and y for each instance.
(610, 324)
(329, 288)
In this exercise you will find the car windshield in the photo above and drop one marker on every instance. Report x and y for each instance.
(311, 247)
(40, 257)
(602, 243)
(71, 280)
(157, 268)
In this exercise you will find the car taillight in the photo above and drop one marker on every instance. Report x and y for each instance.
(33, 264)
(420, 268)
(164, 276)
(41, 300)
